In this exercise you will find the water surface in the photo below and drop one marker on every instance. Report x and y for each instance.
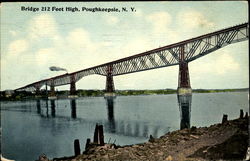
(30, 128)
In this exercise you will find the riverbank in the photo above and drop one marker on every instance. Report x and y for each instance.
(224, 141)
(24, 95)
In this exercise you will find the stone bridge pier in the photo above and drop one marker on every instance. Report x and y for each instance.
(37, 89)
(52, 92)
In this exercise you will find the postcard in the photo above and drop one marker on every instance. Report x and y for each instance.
(124, 80)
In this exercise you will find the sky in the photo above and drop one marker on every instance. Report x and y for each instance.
(31, 42)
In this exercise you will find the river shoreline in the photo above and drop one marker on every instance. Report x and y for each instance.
(25, 96)
(223, 141)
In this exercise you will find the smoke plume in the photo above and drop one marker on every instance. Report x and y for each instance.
(54, 68)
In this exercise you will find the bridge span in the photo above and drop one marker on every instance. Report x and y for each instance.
(180, 53)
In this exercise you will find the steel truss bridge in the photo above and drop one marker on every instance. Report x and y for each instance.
(180, 53)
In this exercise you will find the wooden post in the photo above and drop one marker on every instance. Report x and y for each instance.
(101, 136)
(241, 114)
(96, 134)
(77, 147)
(224, 119)
(246, 116)
(87, 144)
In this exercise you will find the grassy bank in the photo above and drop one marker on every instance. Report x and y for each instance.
(23, 95)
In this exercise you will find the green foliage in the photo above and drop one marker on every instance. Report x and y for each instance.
(145, 92)
(90, 93)
(217, 90)
(23, 95)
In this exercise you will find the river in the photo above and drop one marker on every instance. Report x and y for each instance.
(30, 128)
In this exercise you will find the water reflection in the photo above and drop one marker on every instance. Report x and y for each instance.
(147, 115)
(111, 118)
(38, 106)
(145, 131)
(47, 108)
(40, 110)
(137, 132)
(53, 108)
(121, 127)
(128, 127)
(156, 131)
(131, 128)
(185, 110)
(73, 108)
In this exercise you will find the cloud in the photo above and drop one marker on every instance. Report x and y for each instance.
(193, 19)
(225, 64)
(18, 46)
(13, 33)
(162, 30)
(43, 25)
(111, 20)
(79, 39)
(138, 13)
(34, 49)
(49, 47)
(160, 21)
(136, 46)
(222, 64)
(82, 50)
(45, 56)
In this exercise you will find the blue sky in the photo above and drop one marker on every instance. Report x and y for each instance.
(31, 42)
